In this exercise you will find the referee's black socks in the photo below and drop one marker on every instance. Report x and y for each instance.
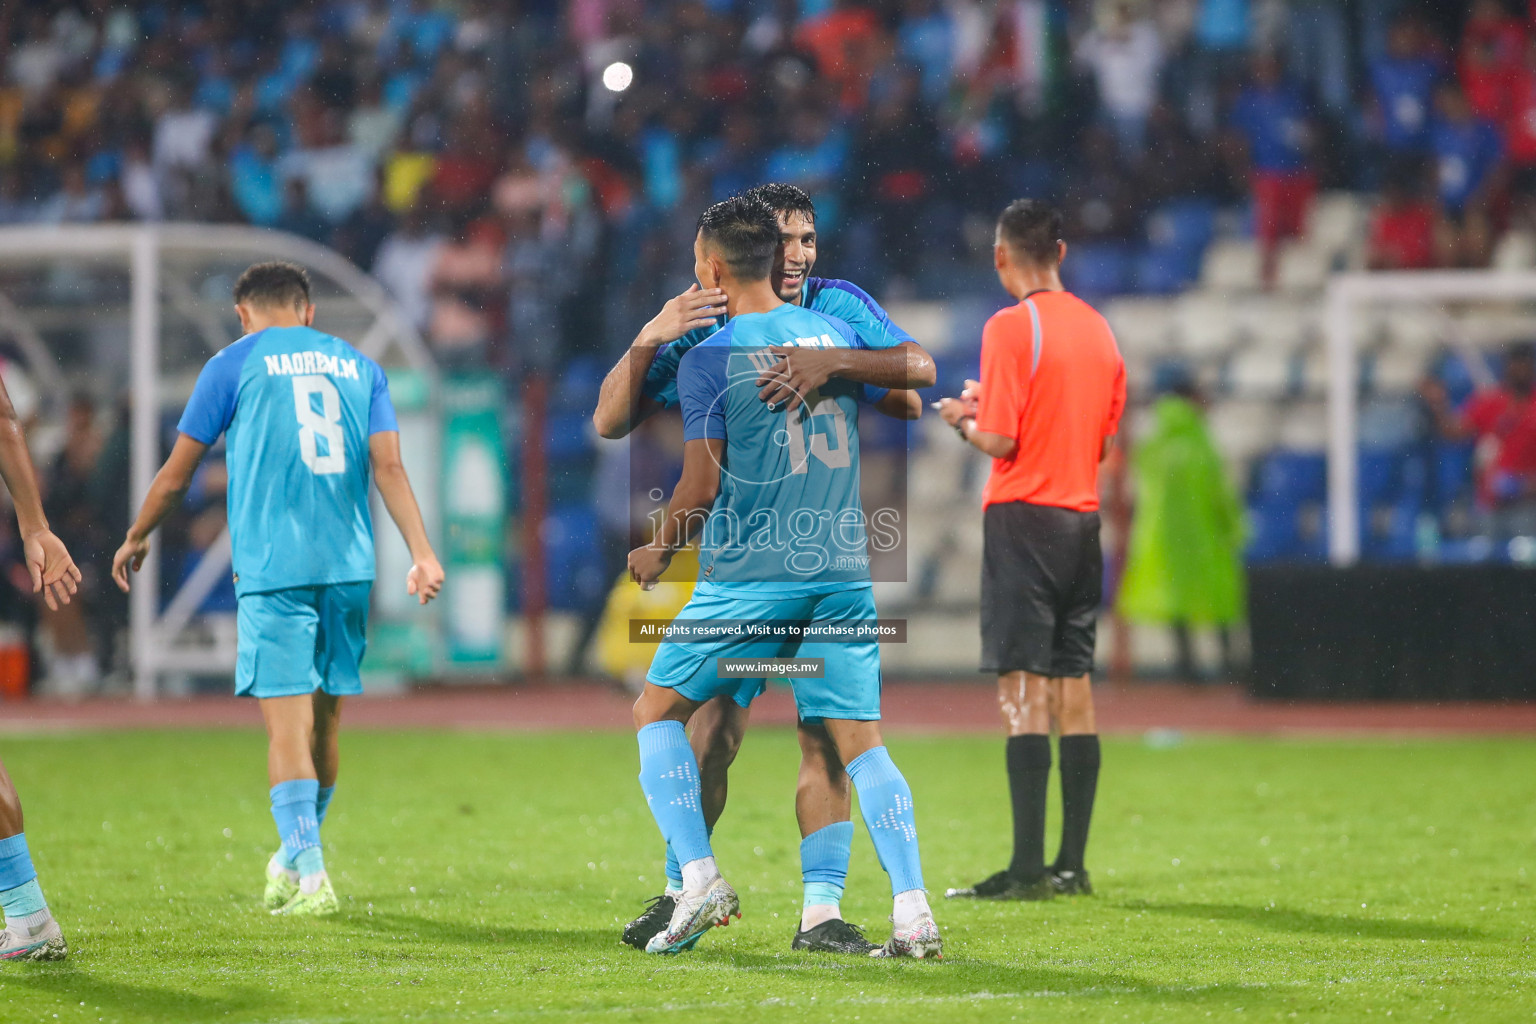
(1029, 776)
(1079, 781)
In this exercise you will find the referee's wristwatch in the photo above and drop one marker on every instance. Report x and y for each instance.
(960, 427)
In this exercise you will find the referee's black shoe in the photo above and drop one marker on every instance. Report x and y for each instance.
(658, 914)
(834, 936)
(1069, 883)
(1004, 886)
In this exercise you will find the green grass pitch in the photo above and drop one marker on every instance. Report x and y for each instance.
(486, 876)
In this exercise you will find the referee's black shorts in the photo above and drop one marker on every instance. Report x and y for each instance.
(1042, 579)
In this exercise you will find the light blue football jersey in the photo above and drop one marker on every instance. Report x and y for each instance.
(872, 327)
(298, 407)
(788, 519)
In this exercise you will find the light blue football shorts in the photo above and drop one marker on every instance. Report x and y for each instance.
(849, 687)
(303, 639)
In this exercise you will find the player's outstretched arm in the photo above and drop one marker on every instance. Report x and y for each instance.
(165, 493)
(691, 501)
(425, 579)
(621, 403)
(52, 570)
(801, 370)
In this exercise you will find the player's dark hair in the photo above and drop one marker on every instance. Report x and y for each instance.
(1032, 229)
(745, 231)
(784, 198)
(273, 285)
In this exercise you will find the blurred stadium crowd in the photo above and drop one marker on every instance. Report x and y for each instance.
(471, 154)
(524, 178)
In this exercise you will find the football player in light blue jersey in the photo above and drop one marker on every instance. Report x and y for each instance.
(776, 494)
(644, 381)
(308, 425)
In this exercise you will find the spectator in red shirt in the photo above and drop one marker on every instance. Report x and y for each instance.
(1519, 124)
(840, 41)
(1402, 232)
(1503, 421)
(1490, 25)
(1487, 79)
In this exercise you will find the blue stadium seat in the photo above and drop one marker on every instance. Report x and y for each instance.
(1452, 478)
(1177, 236)
(1186, 225)
(1165, 271)
(1379, 487)
(1285, 485)
(1452, 372)
(568, 435)
(1289, 477)
(1098, 269)
(571, 557)
(578, 382)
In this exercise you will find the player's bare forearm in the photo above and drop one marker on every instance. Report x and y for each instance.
(621, 401)
(52, 570)
(425, 579)
(165, 494)
(169, 487)
(19, 475)
(694, 494)
(801, 370)
(904, 366)
(901, 405)
(394, 486)
(692, 499)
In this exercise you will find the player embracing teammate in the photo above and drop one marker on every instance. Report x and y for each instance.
(749, 464)
(644, 381)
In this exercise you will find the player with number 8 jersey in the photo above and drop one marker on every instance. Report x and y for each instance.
(308, 426)
(298, 407)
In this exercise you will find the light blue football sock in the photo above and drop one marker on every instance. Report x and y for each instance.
(885, 800)
(20, 895)
(24, 901)
(298, 823)
(15, 862)
(674, 869)
(669, 777)
(322, 801)
(824, 863)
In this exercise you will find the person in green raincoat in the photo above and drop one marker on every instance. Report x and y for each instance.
(1184, 561)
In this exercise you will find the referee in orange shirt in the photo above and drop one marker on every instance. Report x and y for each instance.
(1047, 408)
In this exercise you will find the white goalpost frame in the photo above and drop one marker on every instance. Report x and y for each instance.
(1346, 294)
(153, 633)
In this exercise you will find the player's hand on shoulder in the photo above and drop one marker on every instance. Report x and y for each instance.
(647, 563)
(130, 556)
(697, 307)
(425, 580)
(798, 372)
(53, 572)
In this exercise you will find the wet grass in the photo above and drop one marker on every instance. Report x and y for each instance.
(487, 876)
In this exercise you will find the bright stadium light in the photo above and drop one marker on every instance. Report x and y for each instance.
(617, 76)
